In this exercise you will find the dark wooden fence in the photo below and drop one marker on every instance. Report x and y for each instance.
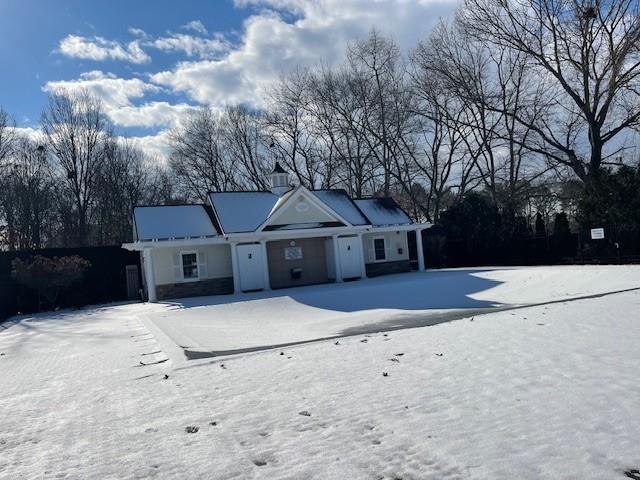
(621, 245)
(105, 281)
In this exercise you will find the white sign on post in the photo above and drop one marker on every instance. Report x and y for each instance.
(597, 233)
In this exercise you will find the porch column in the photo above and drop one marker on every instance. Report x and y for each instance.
(336, 258)
(149, 275)
(265, 266)
(363, 265)
(234, 266)
(420, 250)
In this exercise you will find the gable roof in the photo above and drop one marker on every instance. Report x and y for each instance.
(382, 211)
(240, 212)
(321, 208)
(340, 202)
(172, 221)
(243, 212)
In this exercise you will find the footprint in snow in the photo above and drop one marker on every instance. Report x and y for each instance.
(364, 340)
(259, 463)
(304, 413)
(394, 360)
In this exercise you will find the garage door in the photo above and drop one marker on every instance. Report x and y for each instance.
(349, 248)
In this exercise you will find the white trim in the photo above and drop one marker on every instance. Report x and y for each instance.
(363, 262)
(266, 284)
(149, 273)
(189, 252)
(269, 235)
(336, 258)
(420, 250)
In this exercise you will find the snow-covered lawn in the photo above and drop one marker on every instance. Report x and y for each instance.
(549, 392)
(226, 324)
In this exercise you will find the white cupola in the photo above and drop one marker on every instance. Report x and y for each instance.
(279, 180)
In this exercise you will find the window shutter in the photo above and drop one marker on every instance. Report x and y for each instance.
(177, 267)
(202, 265)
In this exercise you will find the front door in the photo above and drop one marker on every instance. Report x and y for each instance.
(250, 267)
(349, 248)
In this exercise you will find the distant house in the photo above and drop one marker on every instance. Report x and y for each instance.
(246, 241)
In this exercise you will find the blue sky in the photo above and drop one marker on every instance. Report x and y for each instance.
(153, 61)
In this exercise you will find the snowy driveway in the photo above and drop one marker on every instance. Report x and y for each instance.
(541, 393)
(213, 326)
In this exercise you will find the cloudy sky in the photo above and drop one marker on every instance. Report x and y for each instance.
(153, 61)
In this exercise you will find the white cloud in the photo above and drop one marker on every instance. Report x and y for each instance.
(271, 44)
(282, 35)
(191, 45)
(118, 95)
(115, 92)
(196, 26)
(138, 32)
(156, 146)
(100, 49)
(152, 114)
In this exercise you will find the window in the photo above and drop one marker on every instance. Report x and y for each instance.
(379, 249)
(190, 266)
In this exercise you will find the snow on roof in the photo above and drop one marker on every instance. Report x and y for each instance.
(382, 211)
(339, 201)
(240, 212)
(172, 221)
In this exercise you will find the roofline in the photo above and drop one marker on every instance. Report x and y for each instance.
(350, 199)
(209, 192)
(172, 205)
(393, 200)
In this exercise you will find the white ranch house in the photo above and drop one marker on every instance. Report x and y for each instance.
(248, 241)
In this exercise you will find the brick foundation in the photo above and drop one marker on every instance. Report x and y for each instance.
(387, 268)
(212, 286)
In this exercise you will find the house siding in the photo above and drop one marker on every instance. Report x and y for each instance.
(313, 263)
(395, 241)
(218, 260)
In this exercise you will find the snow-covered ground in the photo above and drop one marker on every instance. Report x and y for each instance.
(224, 324)
(548, 391)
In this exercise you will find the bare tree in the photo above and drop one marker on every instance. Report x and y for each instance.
(338, 120)
(588, 55)
(7, 136)
(76, 131)
(244, 139)
(376, 63)
(126, 179)
(26, 191)
(292, 137)
(197, 156)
